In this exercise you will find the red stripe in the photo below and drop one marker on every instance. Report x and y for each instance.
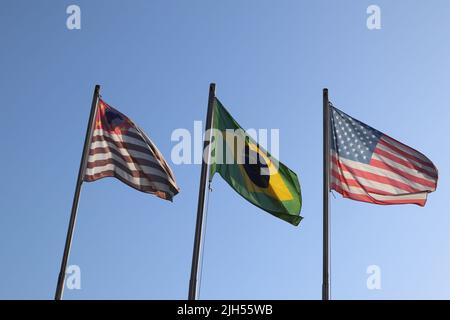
(121, 144)
(132, 159)
(405, 163)
(375, 177)
(366, 198)
(419, 154)
(406, 154)
(134, 173)
(382, 165)
(147, 189)
(128, 133)
(355, 183)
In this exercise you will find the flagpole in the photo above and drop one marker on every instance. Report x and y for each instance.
(201, 198)
(326, 192)
(73, 214)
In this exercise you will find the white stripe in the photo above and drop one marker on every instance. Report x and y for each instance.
(124, 151)
(412, 196)
(407, 149)
(415, 163)
(359, 191)
(381, 172)
(402, 168)
(135, 180)
(370, 183)
(130, 165)
(131, 129)
(120, 137)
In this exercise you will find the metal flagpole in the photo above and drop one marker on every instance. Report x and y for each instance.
(73, 214)
(201, 198)
(326, 192)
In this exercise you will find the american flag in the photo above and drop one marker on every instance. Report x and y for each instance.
(122, 150)
(369, 166)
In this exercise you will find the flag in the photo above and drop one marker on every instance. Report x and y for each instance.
(368, 165)
(122, 150)
(251, 171)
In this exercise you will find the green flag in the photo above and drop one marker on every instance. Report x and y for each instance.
(251, 171)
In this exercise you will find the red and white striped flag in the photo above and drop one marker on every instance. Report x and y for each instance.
(369, 166)
(122, 150)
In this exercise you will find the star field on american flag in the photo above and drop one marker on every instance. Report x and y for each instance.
(352, 139)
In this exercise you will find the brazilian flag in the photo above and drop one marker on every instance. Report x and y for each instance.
(251, 171)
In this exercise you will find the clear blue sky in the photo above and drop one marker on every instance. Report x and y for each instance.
(270, 60)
